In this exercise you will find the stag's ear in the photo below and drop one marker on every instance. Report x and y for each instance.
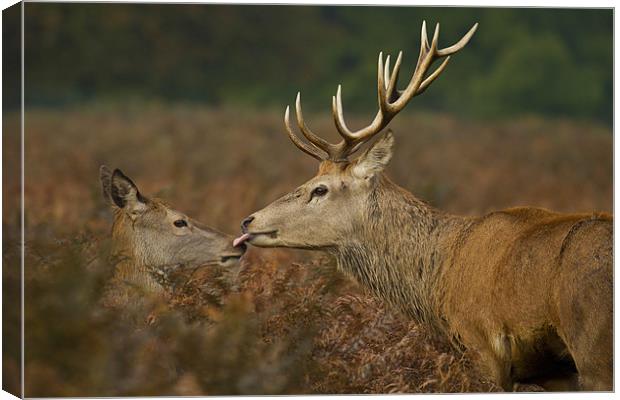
(376, 158)
(125, 194)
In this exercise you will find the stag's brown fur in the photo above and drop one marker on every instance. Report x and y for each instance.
(529, 289)
(533, 282)
(524, 286)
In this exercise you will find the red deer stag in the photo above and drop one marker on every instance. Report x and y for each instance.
(151, 240)
(529, 289)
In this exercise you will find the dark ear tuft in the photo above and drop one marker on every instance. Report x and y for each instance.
(105, 176)
(123, 191)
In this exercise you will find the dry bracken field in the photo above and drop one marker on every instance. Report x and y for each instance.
(284, 322)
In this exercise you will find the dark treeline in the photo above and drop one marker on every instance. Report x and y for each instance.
(546, 61)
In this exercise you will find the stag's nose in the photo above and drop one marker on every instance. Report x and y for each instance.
(245, 223)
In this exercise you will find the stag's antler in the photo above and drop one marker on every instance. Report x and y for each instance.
(391, 101)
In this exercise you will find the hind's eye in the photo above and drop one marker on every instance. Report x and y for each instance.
(180, 223)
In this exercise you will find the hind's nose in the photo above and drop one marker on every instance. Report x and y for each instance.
(245, 223)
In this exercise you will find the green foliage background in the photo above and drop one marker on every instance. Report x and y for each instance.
(554, 62)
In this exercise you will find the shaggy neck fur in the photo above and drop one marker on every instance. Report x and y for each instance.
(397, 251)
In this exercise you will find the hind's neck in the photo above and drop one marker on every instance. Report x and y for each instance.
(129, 271)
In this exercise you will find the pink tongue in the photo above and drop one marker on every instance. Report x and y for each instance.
(241, 239)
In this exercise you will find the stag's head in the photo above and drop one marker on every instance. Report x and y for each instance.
(329, 207)
(157, 236)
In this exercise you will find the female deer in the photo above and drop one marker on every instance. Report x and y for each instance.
(152, 240)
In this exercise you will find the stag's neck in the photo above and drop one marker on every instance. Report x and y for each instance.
(397, 252)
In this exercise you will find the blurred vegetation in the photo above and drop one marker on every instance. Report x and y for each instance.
(11, 266)
(175, 95)
(554, 62)
(277, 327)
(288, 322)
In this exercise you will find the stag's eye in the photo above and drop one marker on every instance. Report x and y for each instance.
(180, 223)
(319, 191)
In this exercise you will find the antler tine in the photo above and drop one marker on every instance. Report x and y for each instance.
(300, 144)
(435, 37)
(381, 83)
(458, 45)
(341, 125)
(394, 77)
(424, 47)
(345, 132)
(386, 72)
(314, 139)
(351, 140)
(417, 85)
(391, 101)
(337, 113)
(424, 38)
(426, 83)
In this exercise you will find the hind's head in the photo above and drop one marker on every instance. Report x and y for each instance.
(154, 235)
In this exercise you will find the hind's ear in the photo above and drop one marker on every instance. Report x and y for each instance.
(121, 191)
(105, 177)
